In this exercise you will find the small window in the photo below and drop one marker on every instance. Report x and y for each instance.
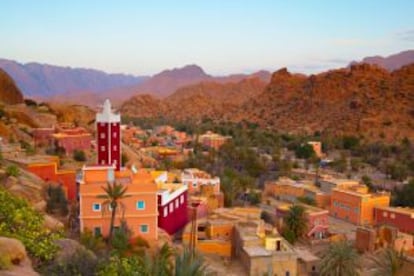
(102, 162)
(392, 215)
(182, 199)
(96, 207)
(102, 148)
(102, 135)
(385, 214)
(115, 134)
(140, 205)
(143, 228)
(177, 203)
(195, 184)
(171, 207)
(97, 231)
(165, 212)
(115, 148)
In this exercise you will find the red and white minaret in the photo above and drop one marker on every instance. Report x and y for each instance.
(108, 129)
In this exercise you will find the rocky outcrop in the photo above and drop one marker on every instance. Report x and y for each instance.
(13, 254)
(9, 92)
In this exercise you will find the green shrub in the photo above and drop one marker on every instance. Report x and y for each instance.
(79, 155)
(56, 200)
(12, 170)
(20, 221)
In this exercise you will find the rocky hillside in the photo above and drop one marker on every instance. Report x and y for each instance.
(9, 93)
(392, 62)
(363, 99)
(205, 99)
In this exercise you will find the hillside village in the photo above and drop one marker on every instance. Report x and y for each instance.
(140, 189)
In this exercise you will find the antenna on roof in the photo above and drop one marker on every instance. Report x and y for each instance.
(134, 169)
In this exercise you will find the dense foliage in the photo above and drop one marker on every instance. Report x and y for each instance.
(18, 220)
(56, 200)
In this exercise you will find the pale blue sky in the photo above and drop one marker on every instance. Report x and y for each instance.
(222, 36)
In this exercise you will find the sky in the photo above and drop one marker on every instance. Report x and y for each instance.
(222, 36)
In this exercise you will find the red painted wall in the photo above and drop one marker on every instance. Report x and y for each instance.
(103, 157)
(175, 220)
(48, 172)
(403, 222)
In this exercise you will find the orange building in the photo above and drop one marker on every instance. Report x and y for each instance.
(46, 167)
(356, 205)
(140, 212)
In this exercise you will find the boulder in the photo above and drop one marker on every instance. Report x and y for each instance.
(70, 247)
(40, 206)
(52, 223)
(13, 250)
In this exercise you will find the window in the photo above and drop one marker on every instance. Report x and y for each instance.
(96, 207)
(140, 205)
(165, 212)
(115, 148)
(143, 228)
(102, 148)
(385, 214)
(171, 207)
(195, 184)
(102, 162)
(97, 231)
(182, 199)
(392, 215)
(102, 135)
(177, 203)
(115, 134)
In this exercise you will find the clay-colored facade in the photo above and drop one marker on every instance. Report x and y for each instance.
(140, 212)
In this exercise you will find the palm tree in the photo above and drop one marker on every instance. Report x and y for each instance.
(296, 222)
(340, 259)
(189, 264)
(114, 193)
(388, 262)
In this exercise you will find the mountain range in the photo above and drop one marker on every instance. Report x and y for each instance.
(42, 80)
(49, 82)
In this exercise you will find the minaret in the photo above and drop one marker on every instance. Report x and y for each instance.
(108, 136)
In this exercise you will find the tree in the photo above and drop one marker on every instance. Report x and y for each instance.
(114, 193)
(296, 222)
(307, 200)
(405, 196)
(79, 155)
(56, 200)
(304, 151)
(388, 262)
(189, 263)
(340, 259)
(12, 170)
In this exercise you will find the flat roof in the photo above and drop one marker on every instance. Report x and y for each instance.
(398, 209)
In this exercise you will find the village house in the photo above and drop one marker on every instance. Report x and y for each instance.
(317, 224)
(400, 217)
(172, 203)
(140, 210)
(372, 238)
(213, 140)
(195, 179)
(290, 190)
(317, 148)
(356, 205)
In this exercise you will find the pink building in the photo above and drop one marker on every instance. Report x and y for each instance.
(73, 139)
(399, 217)
(317, 220)
(108, 136)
